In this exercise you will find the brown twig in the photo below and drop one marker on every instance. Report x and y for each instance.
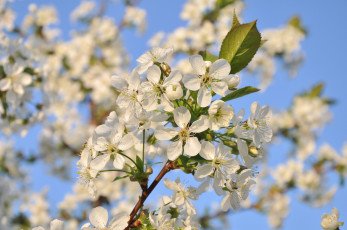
(169, 165)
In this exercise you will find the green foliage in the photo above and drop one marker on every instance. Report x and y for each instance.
(240, 93)
(296, 22)
(120, 177)
(207, 56)
(240, 44)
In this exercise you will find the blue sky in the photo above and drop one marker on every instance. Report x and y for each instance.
(325, 51)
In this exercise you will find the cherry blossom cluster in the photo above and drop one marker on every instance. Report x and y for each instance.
(156, 103)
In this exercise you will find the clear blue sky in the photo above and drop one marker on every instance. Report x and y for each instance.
(325, 59)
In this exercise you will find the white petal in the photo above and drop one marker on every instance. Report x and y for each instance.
(126, 142)
(166, 103)
(254, 109)
(119, 221)
(192, 146)
(38, 228)
(235, 200)
(200, 125)
(220, 69)
(100, 162)
(56, 224)
(335, 212)
(226, 203)
(204, 171)
(98, 217)
(160, 117)
(103, 130)
(25, 79)
(174, 150)
(178, 198)
(118, 161)
(174, 77)
(171, 185)
(204, 97)
(85, 158)
(207, 150)
(18, 88)
(134, 80)
(174, 91)
(141, 69)
(5, 84)
(165, 133)
(153, 74)
(198, 64)
(220, 88)
(191, 81)
(118, 82)
(233, 81)
(182, 116)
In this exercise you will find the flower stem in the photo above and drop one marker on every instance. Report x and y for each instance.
(169, 165)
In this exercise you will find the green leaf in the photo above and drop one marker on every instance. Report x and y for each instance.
(139, 163)
(207, 56)
(262, 42)
(296, 22)
(240, 45)
(316, 91)
(236, 21)
(240, 93)
(120, 177)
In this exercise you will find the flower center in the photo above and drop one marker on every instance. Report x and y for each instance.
(184, 134)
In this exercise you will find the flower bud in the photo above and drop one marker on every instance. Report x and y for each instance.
(174, 91)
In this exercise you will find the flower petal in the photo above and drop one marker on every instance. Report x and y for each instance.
(200, 125)
(118, 161)
(198, 64)
(182, 116)
(98, 217)
(204, 171)
(192, 146)
(191, 81)
(171, 185)
(118, 82)
(165, 133)
(174, 77)
(220, 69)
(208, 150)
(56, 225)
(153, 74)
(100, 162)
(119, 221)
(220, 88)
(204, 97)
(126, 142)
(174, 150)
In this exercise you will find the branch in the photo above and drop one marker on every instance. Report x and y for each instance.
(169, 165)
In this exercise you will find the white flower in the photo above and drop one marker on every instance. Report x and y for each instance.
(15, 79)
(222, 164)
(130, 97)
(192, 145)
(86, 173)
(54, 225)
(109, 140)
(257, 127)
(182, 194)
(98, 217)
(238, 189)
(330, 222)
(154, 89)
(220, 115)
(162, 221)
(157, 54)
(207, 76)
